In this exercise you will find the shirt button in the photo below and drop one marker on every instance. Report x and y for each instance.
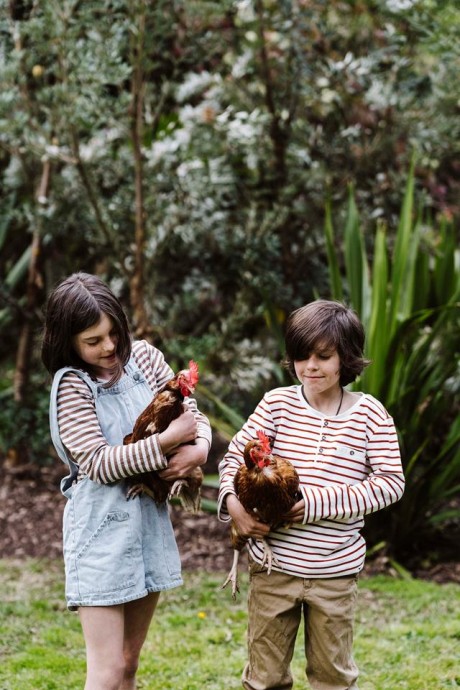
(136, 376)
(326, 423)
(323, 437)
(320, 450)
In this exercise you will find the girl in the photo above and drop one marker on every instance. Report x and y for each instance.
(118, 554)
(345, 450)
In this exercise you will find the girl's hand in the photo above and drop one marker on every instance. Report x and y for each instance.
(181, 430)
(186, 459)
(297, 512)
(247, 524)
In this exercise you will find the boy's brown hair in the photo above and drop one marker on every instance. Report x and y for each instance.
(323, 326)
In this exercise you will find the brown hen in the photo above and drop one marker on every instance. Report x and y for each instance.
(157, 416)
(267, 485)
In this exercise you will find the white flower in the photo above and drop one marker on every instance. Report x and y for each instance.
(251, 36)
(193, 84)
(240, 65)
(328, 95)
(96, 147)
(161, 149)
(351, 132)
(380, 95)
(400, 5)
(52, 150)
(245, 10)
(188, 166)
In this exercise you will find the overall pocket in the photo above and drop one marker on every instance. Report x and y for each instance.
(104, 562)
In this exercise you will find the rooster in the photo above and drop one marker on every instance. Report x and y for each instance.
(267, 485)
(157, 416)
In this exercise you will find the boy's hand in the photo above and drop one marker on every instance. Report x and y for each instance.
(297, 512)
(247, 524)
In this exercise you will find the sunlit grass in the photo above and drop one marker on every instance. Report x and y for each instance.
(407, 635)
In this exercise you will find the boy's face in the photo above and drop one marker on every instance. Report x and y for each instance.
(319, 373)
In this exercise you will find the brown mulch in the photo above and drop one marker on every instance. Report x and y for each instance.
(31, 507)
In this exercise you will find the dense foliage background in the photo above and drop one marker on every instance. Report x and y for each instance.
(222, 163)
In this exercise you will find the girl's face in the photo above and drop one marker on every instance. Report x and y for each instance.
(97, 346)
(320, 373)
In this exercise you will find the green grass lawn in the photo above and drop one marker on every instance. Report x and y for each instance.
(407, 635)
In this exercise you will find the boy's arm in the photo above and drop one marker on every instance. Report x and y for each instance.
(228, 467)
(247, 524)
(384, 486)
(261, 419)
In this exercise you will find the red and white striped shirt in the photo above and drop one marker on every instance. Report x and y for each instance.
(81, 432)
(349, 465)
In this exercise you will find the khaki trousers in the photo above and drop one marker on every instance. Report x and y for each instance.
(275, 607)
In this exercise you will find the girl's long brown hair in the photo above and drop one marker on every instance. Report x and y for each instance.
(77, 303)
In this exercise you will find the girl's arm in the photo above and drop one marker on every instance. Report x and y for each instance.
(81, 433)
(157, 372)
(83, 438)
(186, 457)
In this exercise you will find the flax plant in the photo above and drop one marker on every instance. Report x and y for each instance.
(408, 297)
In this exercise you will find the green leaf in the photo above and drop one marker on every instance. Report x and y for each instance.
(446, 277)
(402, 255)
(334, 271)
(355, 258)
(377, 329)
(19, 270)
(211, 481)
(5, 219)
(231, 416)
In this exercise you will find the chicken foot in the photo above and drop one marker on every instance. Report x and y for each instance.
(190, 499)
(177, 487)
(233, 575)
(137, 490)
(269, 559)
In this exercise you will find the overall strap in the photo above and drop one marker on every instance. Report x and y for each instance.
(133, 370)
(54, 427)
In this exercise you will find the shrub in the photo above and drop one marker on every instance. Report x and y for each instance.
(409, 303)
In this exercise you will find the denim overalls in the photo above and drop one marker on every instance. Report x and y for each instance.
(115, 550)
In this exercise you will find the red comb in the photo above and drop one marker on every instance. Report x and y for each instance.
(264, 441)
(193, 372)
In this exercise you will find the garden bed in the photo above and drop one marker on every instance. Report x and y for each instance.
(31, 508)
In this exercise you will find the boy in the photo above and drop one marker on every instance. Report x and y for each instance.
(345, 449)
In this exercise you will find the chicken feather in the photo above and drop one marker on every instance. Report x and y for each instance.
(265, 484)
(157, 416)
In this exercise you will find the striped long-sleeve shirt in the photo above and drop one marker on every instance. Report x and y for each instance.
(81, 432)
(349, 466)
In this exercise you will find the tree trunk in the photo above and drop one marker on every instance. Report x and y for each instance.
(21, 379)
(142, 326)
